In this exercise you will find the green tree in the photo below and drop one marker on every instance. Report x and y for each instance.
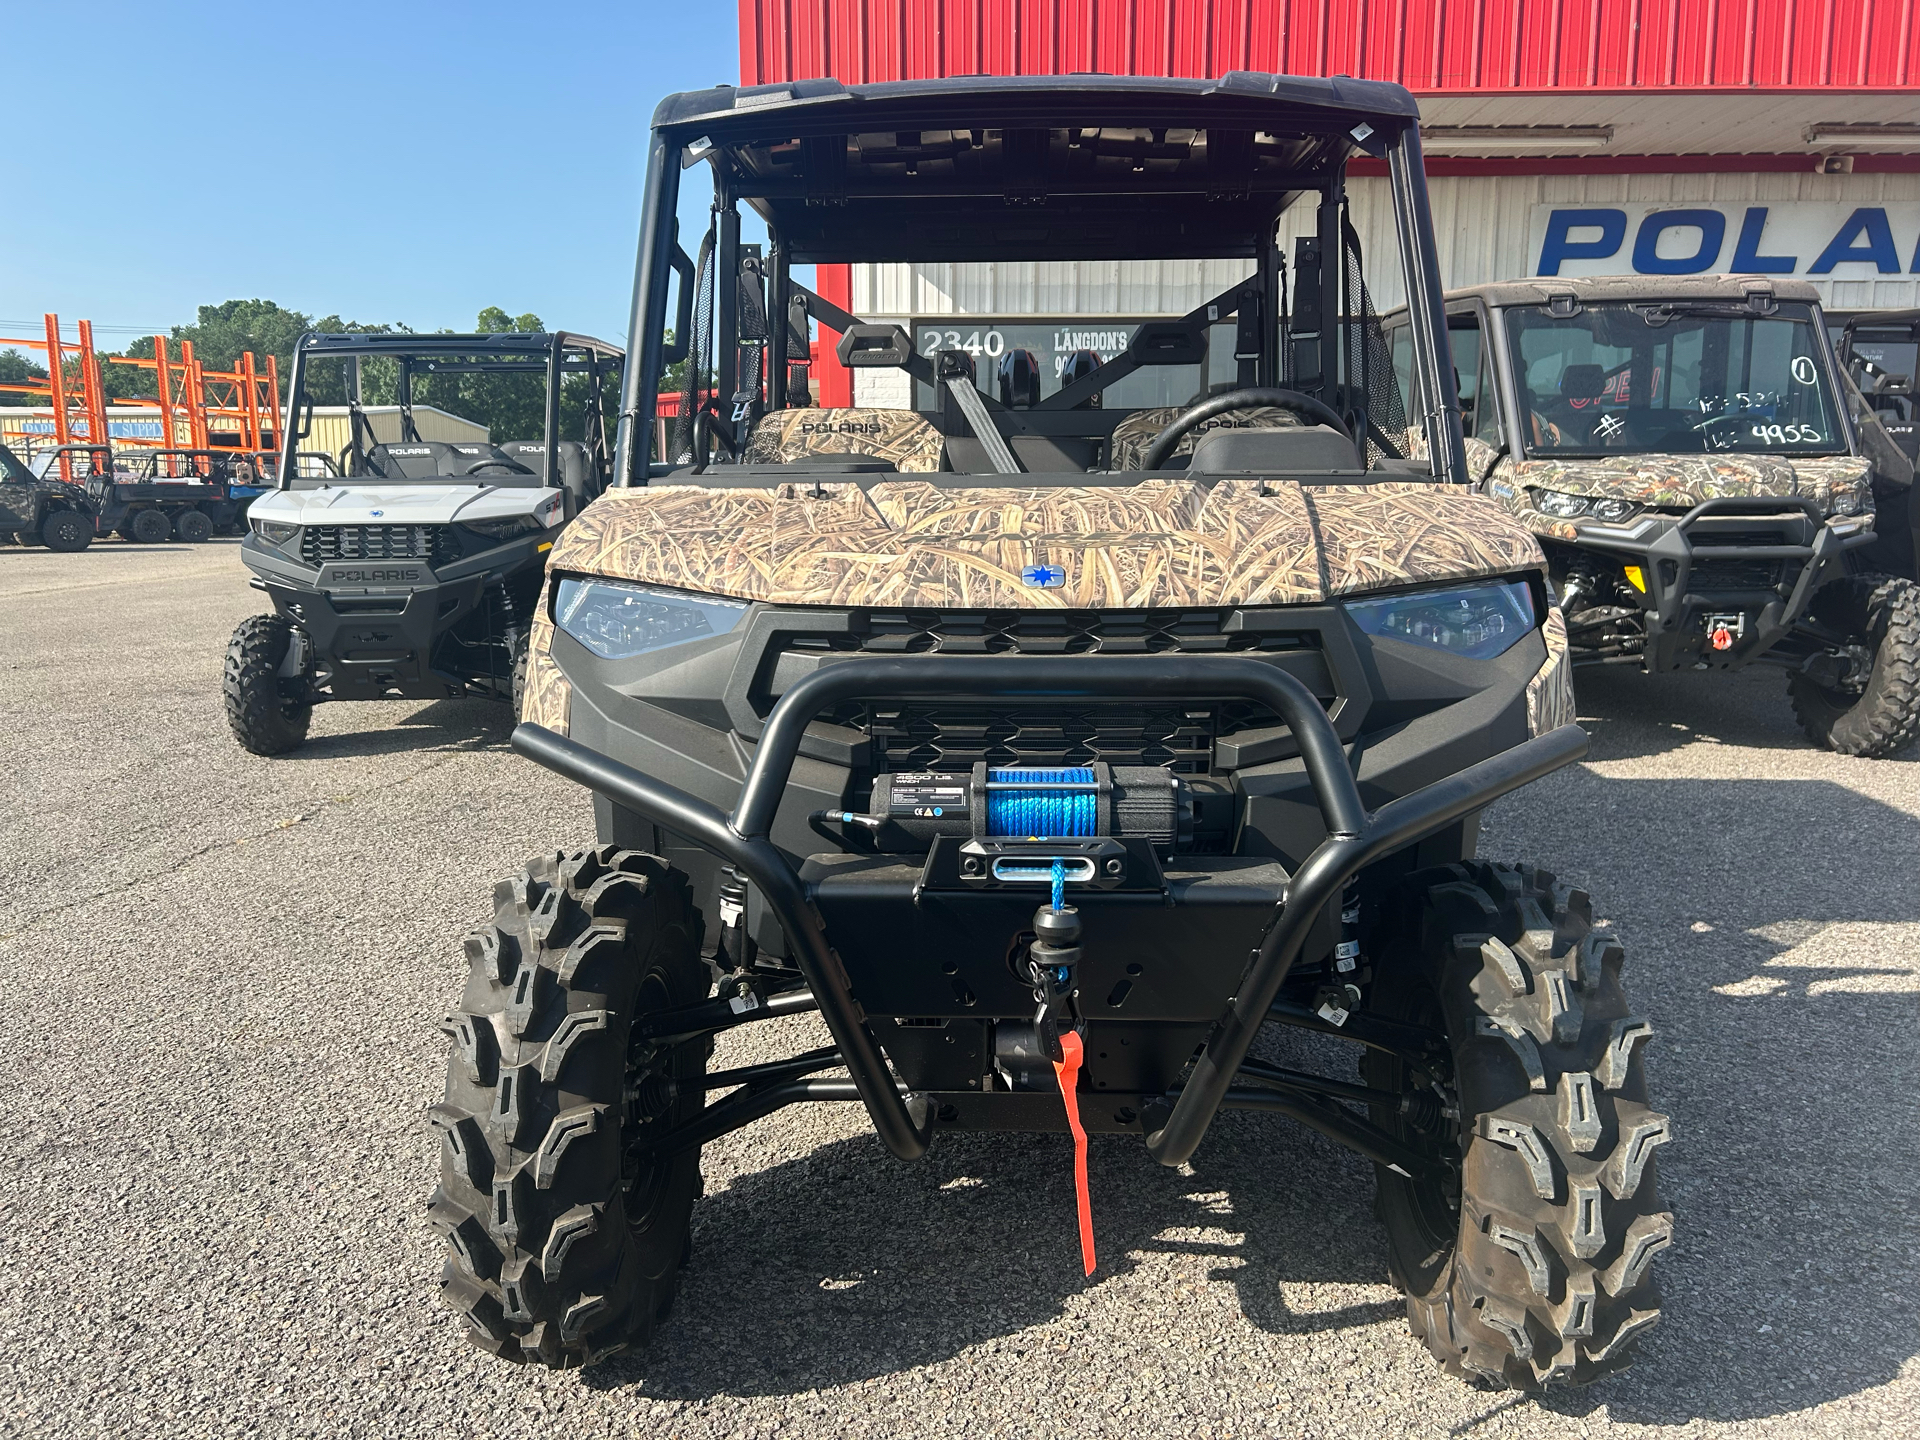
(220, 332)
(16, 369)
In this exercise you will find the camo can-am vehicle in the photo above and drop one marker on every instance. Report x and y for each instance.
(42, 509)
(1049, 751)
(410, 569)
(1683, 450)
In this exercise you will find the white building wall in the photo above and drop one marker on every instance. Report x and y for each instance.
(1483, 223)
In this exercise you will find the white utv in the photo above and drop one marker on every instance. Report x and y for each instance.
(403, 566)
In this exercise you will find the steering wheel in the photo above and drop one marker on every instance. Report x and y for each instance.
(505, 467)
(1305, 406)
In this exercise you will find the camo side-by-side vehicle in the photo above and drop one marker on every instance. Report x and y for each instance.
(1049, 751)
(1682, 449)
(403, 567)
(51, 510)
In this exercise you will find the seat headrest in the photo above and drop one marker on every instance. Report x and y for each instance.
(1582, 382)
(1077, 366)
(1019, 380)
(413, 459)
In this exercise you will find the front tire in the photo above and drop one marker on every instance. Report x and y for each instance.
(567, 1233)
(67, 531)
(1530, 1264)
(262, 709)
(1882, 717)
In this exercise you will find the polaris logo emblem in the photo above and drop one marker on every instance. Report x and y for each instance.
(375, 577)
(337, 574)
(376, 514)
(1051, 577)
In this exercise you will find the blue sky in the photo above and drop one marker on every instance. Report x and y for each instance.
(406, 161)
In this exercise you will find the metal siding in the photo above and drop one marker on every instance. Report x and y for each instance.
(1481, 222)
(1437, 47)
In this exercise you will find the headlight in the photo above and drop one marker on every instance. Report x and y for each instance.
(1477, 621)
(1559, 504)
(1611, 509)
(506, 527)
(617, 620)
(274, 532)
(1848, 500)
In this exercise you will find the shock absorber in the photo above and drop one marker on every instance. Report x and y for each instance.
(734, 952)
(1339, 998)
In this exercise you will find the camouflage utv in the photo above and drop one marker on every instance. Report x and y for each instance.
(36, 510)
(1684, 452)
(1049, 751)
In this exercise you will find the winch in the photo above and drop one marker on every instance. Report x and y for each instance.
(910, 809)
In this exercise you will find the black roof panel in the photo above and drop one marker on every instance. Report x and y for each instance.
(1070, 167)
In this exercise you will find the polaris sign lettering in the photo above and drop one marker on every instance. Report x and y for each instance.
(1814, 240)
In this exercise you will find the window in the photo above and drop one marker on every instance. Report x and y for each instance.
(1674, 377)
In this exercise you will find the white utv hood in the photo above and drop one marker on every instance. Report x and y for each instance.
(439, 503)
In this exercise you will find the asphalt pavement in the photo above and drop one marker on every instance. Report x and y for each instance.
(227, 974)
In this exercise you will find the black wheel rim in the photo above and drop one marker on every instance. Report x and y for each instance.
(1434, 1208)
(642, 1177)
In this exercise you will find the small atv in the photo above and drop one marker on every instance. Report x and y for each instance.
(410, 568)
(1048, 750)
(1683, 451)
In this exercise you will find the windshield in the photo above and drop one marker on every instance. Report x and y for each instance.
(1672, 378)
(446, 414)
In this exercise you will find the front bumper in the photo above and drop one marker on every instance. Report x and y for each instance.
(1758, 558)
(375, 626)
(1273, 910)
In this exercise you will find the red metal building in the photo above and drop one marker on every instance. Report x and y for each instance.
(1541, 117)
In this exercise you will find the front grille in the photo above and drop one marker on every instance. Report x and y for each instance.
(433, 543)
(1051, 632)
(1710, 576)
(1707, 539)
(955, 736)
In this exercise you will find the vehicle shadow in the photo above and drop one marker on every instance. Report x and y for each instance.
(439, 725)
(1632, 716)
(1768, 933)
(864, 1266)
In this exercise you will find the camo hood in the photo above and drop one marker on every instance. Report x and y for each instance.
(1838, 484)
(1159, 543)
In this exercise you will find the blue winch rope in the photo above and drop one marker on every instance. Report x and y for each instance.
(1047, 813)
(1059, 884)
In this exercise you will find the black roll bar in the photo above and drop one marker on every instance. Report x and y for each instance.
(1355, 838)
(1426, 305)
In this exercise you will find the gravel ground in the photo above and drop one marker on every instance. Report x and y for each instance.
(227, 974)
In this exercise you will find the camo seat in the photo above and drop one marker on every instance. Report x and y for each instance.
(1133, 435)
(790, 437)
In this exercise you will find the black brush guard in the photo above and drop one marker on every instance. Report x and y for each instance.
(1355, 838)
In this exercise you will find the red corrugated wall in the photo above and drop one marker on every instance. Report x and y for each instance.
(1430, 46)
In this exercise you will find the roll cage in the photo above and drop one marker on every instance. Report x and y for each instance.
(1083, 167)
